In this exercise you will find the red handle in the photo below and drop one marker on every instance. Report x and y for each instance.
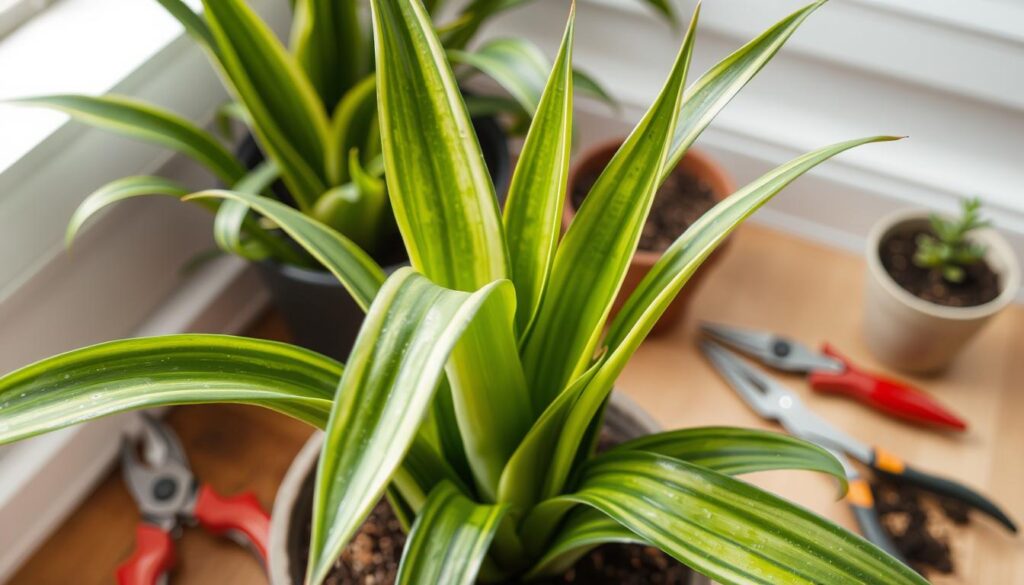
(886, 395)
(239, 517)
(153, 556)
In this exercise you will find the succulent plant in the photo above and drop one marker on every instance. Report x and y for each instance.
(950, 249)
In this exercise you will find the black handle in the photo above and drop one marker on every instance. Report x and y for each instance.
(871, 528)
(896, 469)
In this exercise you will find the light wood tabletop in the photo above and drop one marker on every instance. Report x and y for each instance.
(766, 280)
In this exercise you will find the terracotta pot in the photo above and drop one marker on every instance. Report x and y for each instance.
(624, 420)
(694, 163)
(911, 334)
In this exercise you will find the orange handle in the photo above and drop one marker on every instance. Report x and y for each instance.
(153, 556)
(238, 517)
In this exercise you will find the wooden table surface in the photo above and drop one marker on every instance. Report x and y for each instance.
(767, 280)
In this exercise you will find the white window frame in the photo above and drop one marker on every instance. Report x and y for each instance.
(14, 13)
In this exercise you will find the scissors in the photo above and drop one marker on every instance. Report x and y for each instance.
(773, 401)
(170, 497)
(831, 373)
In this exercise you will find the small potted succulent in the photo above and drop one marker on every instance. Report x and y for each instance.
(692, 185)
(310, 113)
(473, 399)
(932, 283)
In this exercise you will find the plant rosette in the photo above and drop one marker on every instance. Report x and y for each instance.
(699, 182)
(916, 335)
(289, 528)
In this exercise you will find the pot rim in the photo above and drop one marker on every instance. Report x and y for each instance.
(722, 185)
(997, 246)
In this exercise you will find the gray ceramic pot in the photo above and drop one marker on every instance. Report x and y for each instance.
(624, 420)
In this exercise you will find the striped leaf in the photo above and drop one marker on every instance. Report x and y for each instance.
(194, 25)
(716, 88)
(350, 126)
(440, 191)
(533, 209)
(360, 275)
(594, 255)
(114, 377)
(139, 120)
(229, 223)
(687, 511)
(448, 542)
(288, 117)
(396, 364)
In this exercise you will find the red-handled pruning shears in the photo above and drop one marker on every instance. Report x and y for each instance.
(170, 497)
(829, 372)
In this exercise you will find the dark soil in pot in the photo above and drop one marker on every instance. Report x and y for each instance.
(679, 202)
(921, 525)
(317, 309)
(980, 284)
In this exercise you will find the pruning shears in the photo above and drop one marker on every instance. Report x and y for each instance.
(830, 373)
(773, 401)
(170, 498)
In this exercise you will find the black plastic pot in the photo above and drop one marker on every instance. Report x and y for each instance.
(318, 311)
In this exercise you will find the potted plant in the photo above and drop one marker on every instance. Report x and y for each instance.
(932, 283)
(310, 112)
(690, 189)
(474, 395)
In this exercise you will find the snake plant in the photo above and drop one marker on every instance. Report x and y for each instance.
(475, 392)
(312, 109)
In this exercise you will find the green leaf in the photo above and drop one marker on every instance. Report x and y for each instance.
(533, 210)
(663, 282)
(228, 113)
(194, 25)
(327, 40)
(449, 540)
(440, 191)
(119, 190)
(384, 394)
(231, 215)
(288, 117)
(489, 393)
(728, 529)
(117, 376)
(351, 124)
(716, 88)
(594, 255)
(145, 122)
(360, 275)
(734, 451)
(584, 530)
(516, 64)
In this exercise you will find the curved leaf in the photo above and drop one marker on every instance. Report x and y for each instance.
(351, 124)
(140, 120)
(448, 542)
(288, 117)
(119, 190)
(716, 88)
(734, 451)
(360, 275)
(533, 210)
(194, 25)
(113, 377)
(384, 394)
(594, 255)
(440, 191)
(583, 531)
(231, 215)
(728, 529)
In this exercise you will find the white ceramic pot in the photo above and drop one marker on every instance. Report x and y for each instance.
(624, 419)
(918, 336)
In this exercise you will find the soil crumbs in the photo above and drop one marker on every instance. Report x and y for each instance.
(920, 524)
(980, 285)
(679, 202)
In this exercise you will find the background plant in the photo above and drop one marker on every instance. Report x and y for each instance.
(475, 392)
(312, 109)
(950, 249)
